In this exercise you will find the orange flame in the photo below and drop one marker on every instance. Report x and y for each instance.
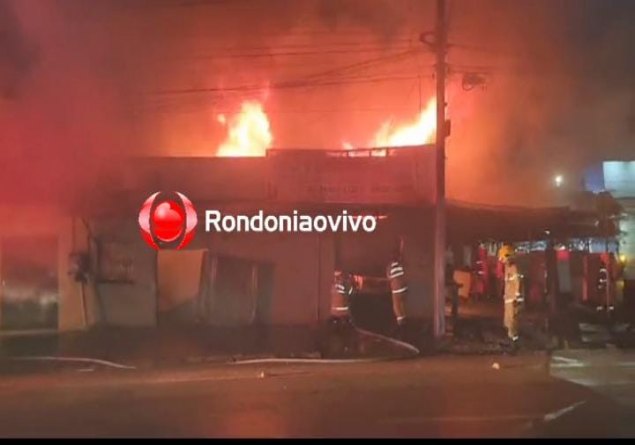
(249, 132)
(420, 131)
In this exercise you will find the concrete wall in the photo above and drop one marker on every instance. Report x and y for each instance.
(126, 303)
(418, 232)
(302, 271)
(302, 266)
(179, 284)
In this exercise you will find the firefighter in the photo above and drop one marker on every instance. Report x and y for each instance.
(602, 284)
(341, 323)
(396, 275)
(340, 296)
(512, 293)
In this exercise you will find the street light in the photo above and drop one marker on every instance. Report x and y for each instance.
(558, 180)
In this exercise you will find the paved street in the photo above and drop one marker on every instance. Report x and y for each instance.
(436, 396)
(610, 372)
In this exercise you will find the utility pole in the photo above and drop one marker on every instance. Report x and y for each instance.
(440, 42)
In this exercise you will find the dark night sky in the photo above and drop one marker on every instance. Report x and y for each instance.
(81, 81)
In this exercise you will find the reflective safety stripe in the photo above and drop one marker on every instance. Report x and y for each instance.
(341, 308)
(509, 300)
(401, 318)
(340, 289)
(397, 274)
(396, 269)
(401, 290)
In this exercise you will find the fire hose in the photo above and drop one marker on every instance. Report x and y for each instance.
(411, 348)
(75, 360)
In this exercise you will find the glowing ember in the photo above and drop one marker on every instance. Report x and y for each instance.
(420, 131)
(249, 133)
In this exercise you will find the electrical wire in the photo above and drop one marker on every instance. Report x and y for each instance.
(283, 86)
(364, 64)
(320, 78)
(335, 44)
(286, 54)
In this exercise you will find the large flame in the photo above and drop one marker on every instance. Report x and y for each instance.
(418, 132)
(249, 132)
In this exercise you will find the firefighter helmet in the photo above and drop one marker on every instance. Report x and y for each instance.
(505, 252)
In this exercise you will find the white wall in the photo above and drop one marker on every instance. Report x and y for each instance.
(619, 178)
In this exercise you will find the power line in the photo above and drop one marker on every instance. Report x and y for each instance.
(286, 54)
(322, 45)
(365, 64)
(384, 110)
(320, 78)
(290, 85)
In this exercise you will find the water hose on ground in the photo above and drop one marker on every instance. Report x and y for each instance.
(75, 360)
(415, 352)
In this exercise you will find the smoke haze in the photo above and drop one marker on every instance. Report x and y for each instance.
(84, 82)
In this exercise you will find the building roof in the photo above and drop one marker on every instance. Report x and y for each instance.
(402, 178)
(470, 222)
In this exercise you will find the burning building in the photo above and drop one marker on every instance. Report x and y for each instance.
(101, 272)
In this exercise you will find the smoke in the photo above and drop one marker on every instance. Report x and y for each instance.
(377, 16)
(559, 96)
(17, 55)
(66, 114)
(90, 81)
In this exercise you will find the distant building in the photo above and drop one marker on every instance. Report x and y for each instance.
(618, 178)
